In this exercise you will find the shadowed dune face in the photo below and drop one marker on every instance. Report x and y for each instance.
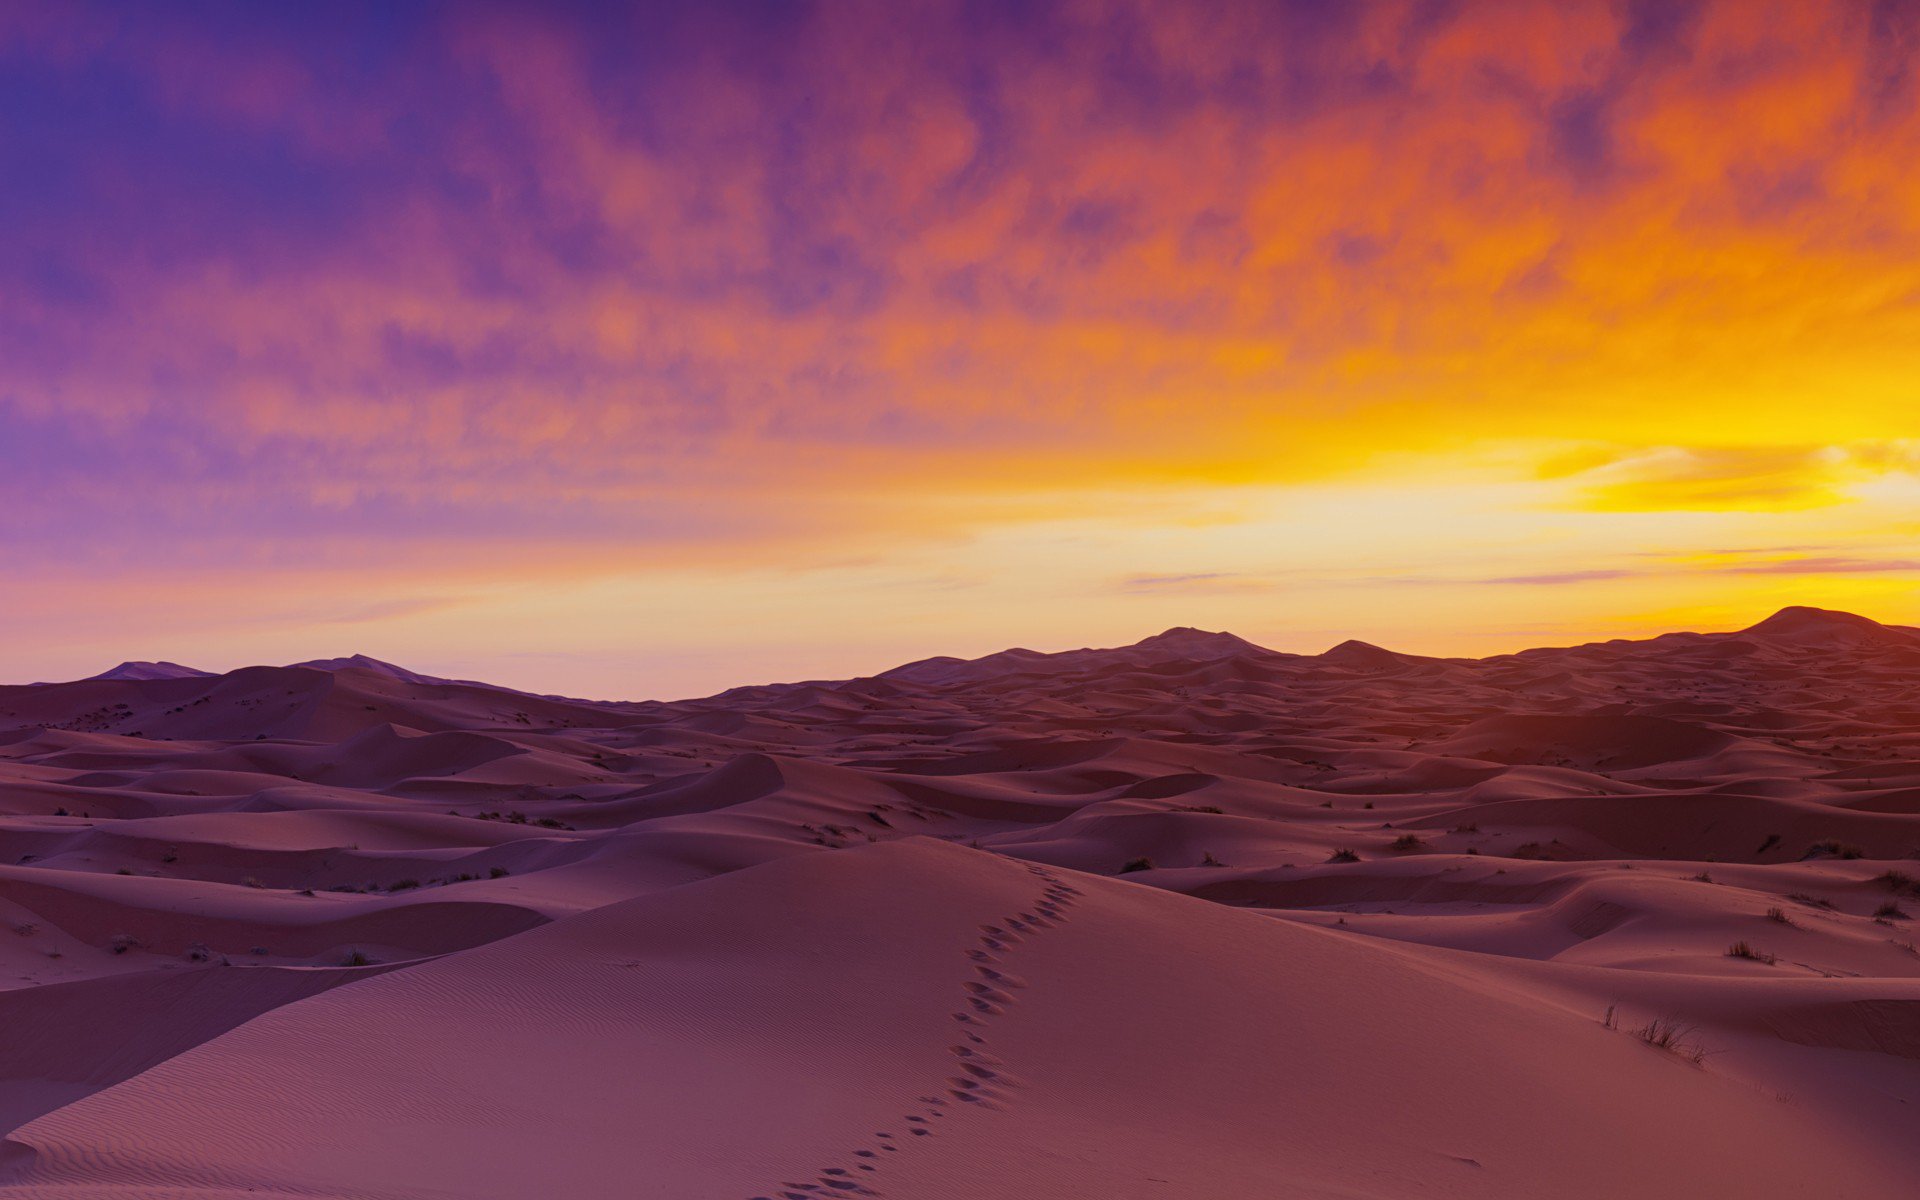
(1188, 918)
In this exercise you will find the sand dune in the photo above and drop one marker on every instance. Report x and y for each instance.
(1188, 918)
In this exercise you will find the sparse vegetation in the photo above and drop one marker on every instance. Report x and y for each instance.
(1811, 901)
(1834, 849)
(1663, 1033)
(356, 958)
(1897, 881)
(1890, 912)
(1208, 860)
(1407, 842)
(1779, 916)
(1743, 949)
(1136, 864)
(497, 873)
(1343, 855)
(403, 885)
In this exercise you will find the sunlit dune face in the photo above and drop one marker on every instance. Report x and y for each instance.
(675, 350)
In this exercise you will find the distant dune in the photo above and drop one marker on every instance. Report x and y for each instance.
(1187, 919)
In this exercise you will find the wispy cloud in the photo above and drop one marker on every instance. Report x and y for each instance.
(1721, 478)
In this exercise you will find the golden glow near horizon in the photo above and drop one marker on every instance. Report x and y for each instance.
(581, 370)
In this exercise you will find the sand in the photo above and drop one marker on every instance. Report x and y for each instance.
(1184, 919)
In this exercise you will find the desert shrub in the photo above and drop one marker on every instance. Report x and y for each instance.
(1890, 912)
(1406, 842)
(1208, 860)
(1897, 881)
(1742, 949)
(1663, 1033)
(356, 958)
(1343, 855)
(1813, 901)
(497, 873)
(403, 885)
(1830, 848)
(1136, 864)
(1779, 916)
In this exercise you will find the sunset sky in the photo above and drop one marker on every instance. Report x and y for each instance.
(641, 351)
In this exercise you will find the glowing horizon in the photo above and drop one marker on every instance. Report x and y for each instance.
(650, 353)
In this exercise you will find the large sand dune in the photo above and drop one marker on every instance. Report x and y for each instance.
(1185, 919)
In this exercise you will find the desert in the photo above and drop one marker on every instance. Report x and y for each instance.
(1186, 918)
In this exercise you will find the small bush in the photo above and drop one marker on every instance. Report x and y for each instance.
(1703, 877)
(1779, 916)
(1136, 864)
(1469, 827)
(1812, 901)
(1832, 849)
(1407, 842)
(1215, 809)
(403, 885)
(1664, 1034)
(1208, 860)
(356, 958)
(1890, 912)
(1897, 881)
(1743, 950)
(1343, 855)
(497, 873)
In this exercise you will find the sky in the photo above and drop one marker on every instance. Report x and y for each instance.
(645, 350)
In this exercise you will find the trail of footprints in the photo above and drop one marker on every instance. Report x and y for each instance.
(979, 1080)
